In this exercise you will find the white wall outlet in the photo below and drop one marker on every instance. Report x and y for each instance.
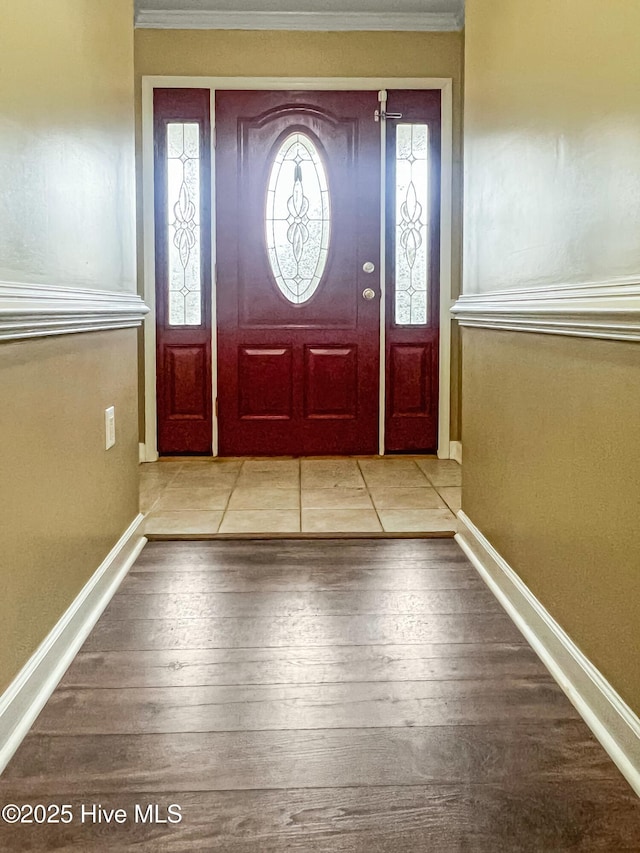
(110, 426)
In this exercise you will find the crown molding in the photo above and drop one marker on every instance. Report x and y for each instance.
(185, 19)
(606, 309)
(38, 310)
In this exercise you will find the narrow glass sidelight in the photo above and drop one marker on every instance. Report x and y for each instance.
(183, 213)
(411, 225)
(297, 218)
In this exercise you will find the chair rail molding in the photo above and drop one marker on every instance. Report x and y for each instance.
(38, 310)
(605, 309)
(210, 19)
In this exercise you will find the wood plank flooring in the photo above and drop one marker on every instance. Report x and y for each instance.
(334, 696)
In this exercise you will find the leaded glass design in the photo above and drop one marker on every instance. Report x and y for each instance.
(183, 214)
(411, 225)
(297, 218)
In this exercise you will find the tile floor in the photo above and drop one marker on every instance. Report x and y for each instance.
(243, 497)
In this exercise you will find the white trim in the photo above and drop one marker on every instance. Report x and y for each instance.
(446, 266)
(445, 84)
(611, 720)
(604, 309)
(214, 279)
(30, 690)
(211, 19)
(149, 276)
(456, 451)
(145, 455)
(382, 279)
(38, 310)
(284, 84)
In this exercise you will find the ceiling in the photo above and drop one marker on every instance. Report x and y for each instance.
(301, 14)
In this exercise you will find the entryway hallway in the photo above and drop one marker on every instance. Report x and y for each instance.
(400, 495)
(334, 695)
(321, 697)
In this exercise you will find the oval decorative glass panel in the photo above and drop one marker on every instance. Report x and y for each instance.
(298, 218)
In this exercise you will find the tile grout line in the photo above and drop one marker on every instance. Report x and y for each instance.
(375, 508)
(233, 488)
(164, 488)
(424, 475)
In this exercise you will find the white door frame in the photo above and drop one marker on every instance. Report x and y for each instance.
(373, 84)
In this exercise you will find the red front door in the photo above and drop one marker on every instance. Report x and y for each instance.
(297, 212)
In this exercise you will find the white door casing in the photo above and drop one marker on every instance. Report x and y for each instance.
(149, 83)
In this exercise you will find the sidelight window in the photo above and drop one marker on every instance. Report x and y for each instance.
(411, 224)
(297, 218)
(183, 196)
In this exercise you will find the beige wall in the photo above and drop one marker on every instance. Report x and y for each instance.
(66, 160)
(66, 218)
(65, 500)
(314, 54)
(552, 479)
(264, 53)
(552, 143)
(549, 426)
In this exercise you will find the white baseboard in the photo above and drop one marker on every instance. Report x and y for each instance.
(30, 690)
(610, 719)
(456, 451)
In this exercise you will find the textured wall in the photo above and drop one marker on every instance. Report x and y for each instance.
(66, 218)
(314, 54)
(66, 152)
(550, 424)
(65, 500)
(552, 478)
(552, 142)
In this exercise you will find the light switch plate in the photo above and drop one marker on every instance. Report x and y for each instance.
(110, 426)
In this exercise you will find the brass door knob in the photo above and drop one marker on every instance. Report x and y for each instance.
(368, 293)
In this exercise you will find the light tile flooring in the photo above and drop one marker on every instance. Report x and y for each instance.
(346, 495)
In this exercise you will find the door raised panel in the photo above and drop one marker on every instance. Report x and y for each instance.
(410, 380)
(331, 382)
(412, 393)
(265, 383)
(185, 375)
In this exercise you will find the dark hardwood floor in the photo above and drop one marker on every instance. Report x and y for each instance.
(347, 695)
